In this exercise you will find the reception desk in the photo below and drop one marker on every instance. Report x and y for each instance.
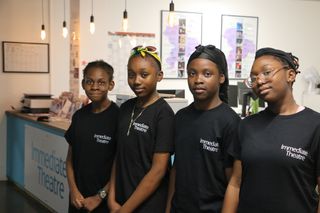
(36, 154)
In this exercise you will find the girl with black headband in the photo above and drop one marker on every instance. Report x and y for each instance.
(277, 151)
(140, 177)
(203, 132)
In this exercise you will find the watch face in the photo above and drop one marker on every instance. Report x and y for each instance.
(102, 194)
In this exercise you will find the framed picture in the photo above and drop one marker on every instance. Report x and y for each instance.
(178, 41)
(24, 57)
(239, 36)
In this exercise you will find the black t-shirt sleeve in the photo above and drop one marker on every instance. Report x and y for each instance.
(70, 133)
(165, 131)
(235, 147)
(229, 137)
(316, 148)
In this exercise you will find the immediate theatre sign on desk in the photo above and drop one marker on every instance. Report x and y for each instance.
(36, 153)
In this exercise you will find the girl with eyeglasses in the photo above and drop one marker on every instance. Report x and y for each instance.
(203, 133)
(140, 175)
(277, 151)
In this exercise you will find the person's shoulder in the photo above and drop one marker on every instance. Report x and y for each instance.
(186, 110)
(83, 109)
(128, 103)
(228, 111)
(310, 115)
(163, 106)
(312, 112)
(112, 110)
(114, 107)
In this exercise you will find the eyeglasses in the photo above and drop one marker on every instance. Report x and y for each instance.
(90, 82)
(266, 75)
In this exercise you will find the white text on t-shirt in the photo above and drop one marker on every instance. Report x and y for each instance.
(102, 138)
(297, 153)
(209, 145)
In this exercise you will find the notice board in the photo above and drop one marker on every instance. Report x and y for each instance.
(25, 57)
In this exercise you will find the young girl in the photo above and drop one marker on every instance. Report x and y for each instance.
(91, 139)
(145, 140)
(203, 133)
(277, 150)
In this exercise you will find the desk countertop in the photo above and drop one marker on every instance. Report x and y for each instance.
(61, 125)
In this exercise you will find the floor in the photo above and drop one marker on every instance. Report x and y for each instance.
(15, 200)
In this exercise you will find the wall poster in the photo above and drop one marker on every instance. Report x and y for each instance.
(178, 41)
(239, 43)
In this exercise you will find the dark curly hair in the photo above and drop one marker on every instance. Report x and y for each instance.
(99, 64)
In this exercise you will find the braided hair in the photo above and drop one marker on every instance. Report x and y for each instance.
(285, 57)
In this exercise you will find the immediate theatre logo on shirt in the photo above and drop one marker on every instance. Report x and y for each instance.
(209, 145)
(102, 138)
(296, 153)
(141, 127)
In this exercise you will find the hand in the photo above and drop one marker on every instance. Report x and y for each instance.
(115, 208)
(76, 199)
(90, 203)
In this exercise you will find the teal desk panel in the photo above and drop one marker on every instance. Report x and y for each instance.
(15, 145)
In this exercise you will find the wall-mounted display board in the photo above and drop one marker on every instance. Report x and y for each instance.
(24, 57)
(178, 41)
(239, 38)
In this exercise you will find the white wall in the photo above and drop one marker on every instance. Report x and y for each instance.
(286, 24)
(283, 24)
(20, 21)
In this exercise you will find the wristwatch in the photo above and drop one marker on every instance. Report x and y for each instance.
(102, 193)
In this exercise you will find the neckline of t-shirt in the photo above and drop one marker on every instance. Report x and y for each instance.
(98, 113)
(297, 114)
(144, 108)
(209, 110)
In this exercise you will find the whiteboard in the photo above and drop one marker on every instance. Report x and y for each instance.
(23, 57)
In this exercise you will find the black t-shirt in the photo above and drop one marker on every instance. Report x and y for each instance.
(150, 133)
(92, 137)
(280, 157)
(201, 143)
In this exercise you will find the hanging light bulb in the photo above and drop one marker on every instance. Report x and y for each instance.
(64, 29)
(92, 25)
(171, 15)
(64, 23)
(125, 18)
(125, 21)
(43, 32)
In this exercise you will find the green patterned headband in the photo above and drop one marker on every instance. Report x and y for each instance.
(141, 50)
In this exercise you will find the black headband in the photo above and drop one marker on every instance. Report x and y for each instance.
(290, 59)
(213, 54)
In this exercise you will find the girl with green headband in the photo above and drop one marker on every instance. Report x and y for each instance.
(139, 180)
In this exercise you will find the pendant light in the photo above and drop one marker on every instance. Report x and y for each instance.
(171, 14)
(125, 17)
(64, 23)
(92, 25)
(43, 31)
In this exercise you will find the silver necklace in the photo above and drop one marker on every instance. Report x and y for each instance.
(133, 120)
